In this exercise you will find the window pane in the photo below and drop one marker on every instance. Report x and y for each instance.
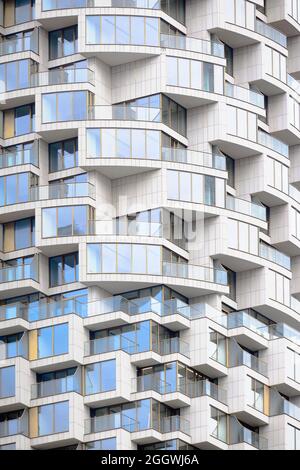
(45, 342)
(45, 420)
(61, 417)
(61, 341)
(22, 234)
(108, 258)
(93, 258)
(49, 107)
(49, 222)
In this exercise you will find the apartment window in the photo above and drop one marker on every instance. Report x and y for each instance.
(18, 11)
(191, 187)
(103, 444)
(53, 340)
(124, 258)
(17, 188)
(229, 60)
(100, 377)
(293, 435)
(16, 75)
(279, 288)
(63, 269)
(276, 64)
(7, 382)
(19, 234)
(67, 221)
(217, 347)
(188, 73)
(19, 121)
(218, 424)
(135, 30)
(123, 143)
(53, 418)
(293, 363)
(65, 106)
(242, 237)
(63, 155)
(63, 42)
(256, 394)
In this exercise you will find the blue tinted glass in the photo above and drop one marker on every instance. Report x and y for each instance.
(45, 420)
(22, 234)
(22, 120)
(61, 417)
(61, 339)
(45, 342)
(108, 375)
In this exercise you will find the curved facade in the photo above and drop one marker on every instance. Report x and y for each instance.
(150, 224)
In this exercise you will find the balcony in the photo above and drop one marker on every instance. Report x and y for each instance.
(194, 272)
(42, 309)
(239, 434)
(57, 387)
(245, 94)
(17, 348)
(246, 207)
(121, 342)
(26, 156)
(62, 76)
(124, 113)
(171, 41)
(190, 389)
(275, 256)
(270, 33)
(281, 406)
(267, 140)
(26, 43)
(122, 421)
(20, 273)
(63, 190)
(12, 427)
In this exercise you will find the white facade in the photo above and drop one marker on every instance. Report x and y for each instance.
(150, 224)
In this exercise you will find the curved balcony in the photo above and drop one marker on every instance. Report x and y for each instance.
(275, 256)
(246, 207)
(50, 5)
(272, 143)
(239, 434)
(172, 41)
(247, 95)
(62, 76)
(269, 32)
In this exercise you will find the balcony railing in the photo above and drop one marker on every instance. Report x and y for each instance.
(194, 272)
(270, 33)
(19, 157)
(293, 83)
(15, 426)
(56, 387)
(43, 309)
(193, 157)
(18, 348)
(245, 94)
(275, 256)
(62, 76)
(124, 113)
(122, 421)
(272, 143)
(280, 405)
(239, 357)
(240, 434)
(202, 46)
(26, 43)
(123, 343)
(63, 190)
(20, 273)
(281, 330)
(191, 389)
(243, 318)
(246, 207)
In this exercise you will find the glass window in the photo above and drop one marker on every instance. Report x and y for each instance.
(63, 42)
(24, 116)
(53, 340)
(100, 377)
(7, 382)
(64, 106)
(53, 418)
(63, 269)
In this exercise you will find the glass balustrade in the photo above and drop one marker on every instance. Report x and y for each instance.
(56, 387)
(246, 207)
(270, 33)
(14, 426)
(20, 272)
(28, 42)
(62, 76)
(267, 140)
(275, 256)
(202, 46)
(194, 272)
(245, 94)
(240, 434)
(28, 155)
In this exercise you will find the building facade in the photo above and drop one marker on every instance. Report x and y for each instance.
(150, 224)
